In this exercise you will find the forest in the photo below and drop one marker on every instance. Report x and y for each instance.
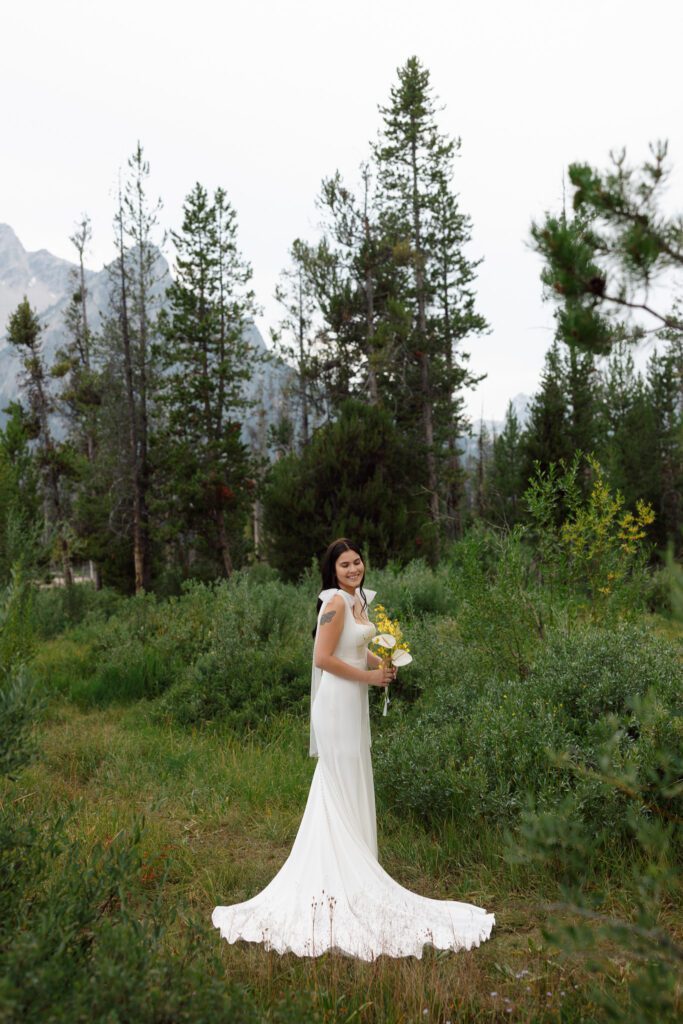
(154, 714)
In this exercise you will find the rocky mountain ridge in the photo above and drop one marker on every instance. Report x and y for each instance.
(49, 281)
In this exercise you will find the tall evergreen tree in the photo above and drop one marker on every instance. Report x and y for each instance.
(415, 170)
(584, 399)
(20, 500)
(452, 318)
(79, 400)
(547, 434)
(506, 482)
(295, 337)
(207, 473)
(667, 447)
(23, 333)
(359, 477)
(481, 488)
(627, 445)
(132, 330)
(355, 278)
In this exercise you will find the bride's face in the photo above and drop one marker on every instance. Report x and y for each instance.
(349, 569)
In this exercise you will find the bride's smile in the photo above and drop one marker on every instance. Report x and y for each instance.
(349, 570)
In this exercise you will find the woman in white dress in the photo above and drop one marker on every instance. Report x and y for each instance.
(332, 893)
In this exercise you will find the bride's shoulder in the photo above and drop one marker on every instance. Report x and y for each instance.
(335, 603)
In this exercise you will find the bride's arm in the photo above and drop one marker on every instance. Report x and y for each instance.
(329, 631)
(372, 660)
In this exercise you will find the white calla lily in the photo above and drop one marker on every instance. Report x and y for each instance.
(384, 640)
(401, 657)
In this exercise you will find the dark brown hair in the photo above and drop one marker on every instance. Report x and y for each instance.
(329, 576)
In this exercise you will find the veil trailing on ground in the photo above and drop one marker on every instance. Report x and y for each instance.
(316, 673)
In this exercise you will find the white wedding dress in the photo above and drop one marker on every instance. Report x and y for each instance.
(332, 893)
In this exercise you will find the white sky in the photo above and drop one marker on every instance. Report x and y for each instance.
(267, 97)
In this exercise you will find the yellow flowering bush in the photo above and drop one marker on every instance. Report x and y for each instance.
(596, 545)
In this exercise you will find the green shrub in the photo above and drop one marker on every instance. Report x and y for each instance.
(245, 693)
(16, 633)
(573, 847)
(20, 706)
(473, 746)
(256, 659)
(502, 613)
(586, 543)
(415, 589)
(56, 609)
(84, 935)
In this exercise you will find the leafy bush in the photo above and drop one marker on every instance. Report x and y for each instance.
(590, 546)
(473, 745)
(56, 609)
(84, 936)
(572, 846)
(502, 611)
(256, 659)
(143, 674)
(20, 706)
(16, 633)
(415, 589)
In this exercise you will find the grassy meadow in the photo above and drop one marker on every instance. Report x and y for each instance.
(155, 764)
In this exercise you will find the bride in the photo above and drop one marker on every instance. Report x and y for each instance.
(332, 893)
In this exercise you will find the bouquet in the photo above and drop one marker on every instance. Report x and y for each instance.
(389, 645)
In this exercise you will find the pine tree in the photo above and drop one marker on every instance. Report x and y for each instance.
(481, 505)
(628, 440)
(132, 330)
(584, 398)
(20, 504)
(294, 340)
(415, 168)
(358, 477)
(506, 481)
(355, 279)
(667, 448)
(452, 319)
(547, 433)
(600, 265)
(23, 333)
(79, 400)
(207, 473)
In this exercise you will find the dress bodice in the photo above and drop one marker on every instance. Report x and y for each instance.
(355, 636)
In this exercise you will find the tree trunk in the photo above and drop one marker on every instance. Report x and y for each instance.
(223, 543)
(140, 551)
(142, 388)
(303, 366)
(369, 304)
(258, 516)
(425, 385)
(454, 489)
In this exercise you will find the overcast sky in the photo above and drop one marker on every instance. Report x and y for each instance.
(266, 97)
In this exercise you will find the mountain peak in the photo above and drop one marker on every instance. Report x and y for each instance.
(11, 249)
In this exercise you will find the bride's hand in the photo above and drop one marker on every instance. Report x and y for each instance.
(381, 676)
